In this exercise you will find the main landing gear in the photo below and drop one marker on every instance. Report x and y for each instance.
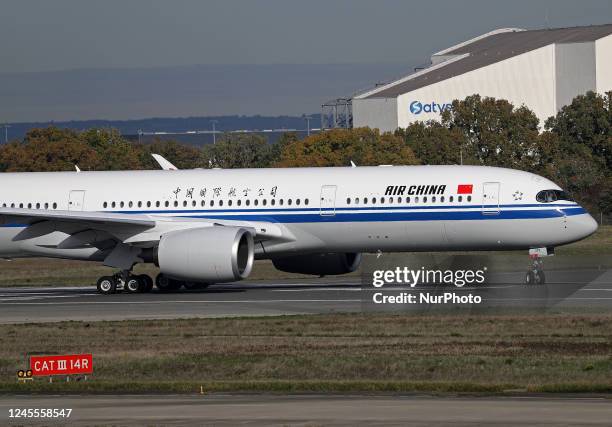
(130, 283)
(535, 273)
(124, 281)
(166, 284)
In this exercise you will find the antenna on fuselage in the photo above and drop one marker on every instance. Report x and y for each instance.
(165, 164)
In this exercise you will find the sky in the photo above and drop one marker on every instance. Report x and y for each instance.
(40, 36)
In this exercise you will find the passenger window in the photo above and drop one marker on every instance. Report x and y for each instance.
(203, 203)
(167, 203)
(273, 202)
(264, 202)
(282, 202)
(54, 205)
(248, 202)
(348, 200)
(306, 202)
(365, 200)
(149, 204)
(105, 205)
(433, 199)
(425, 199)
(220, 202)
(459, 198)
(356, 200)
(122, 204)
(239, 202)
(212, 203)
(256, 202)
(451, 198)
(399, 200)
(229, 203)
(46, 205)
(469, 198)
(416, 199)
(442, 199)
(297, 202)
(131, 204)
(289, 202)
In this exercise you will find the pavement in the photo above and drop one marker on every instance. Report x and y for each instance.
(314, 410)
(578, 289)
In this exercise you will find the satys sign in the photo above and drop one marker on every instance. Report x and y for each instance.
(418, 107)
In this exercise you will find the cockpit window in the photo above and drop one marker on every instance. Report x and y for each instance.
(549, 196)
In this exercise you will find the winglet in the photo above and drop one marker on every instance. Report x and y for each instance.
(77, 168)
(353, 165)
(165, 164)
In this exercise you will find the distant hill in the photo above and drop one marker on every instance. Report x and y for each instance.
(176, 127)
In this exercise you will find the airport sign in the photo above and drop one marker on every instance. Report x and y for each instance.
(70, 364)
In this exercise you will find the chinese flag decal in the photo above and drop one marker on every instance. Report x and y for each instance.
(465, 189)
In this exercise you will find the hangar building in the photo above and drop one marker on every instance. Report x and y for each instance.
(542, 69)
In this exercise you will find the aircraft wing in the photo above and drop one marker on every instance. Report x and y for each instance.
(128, 228)
(31, 216)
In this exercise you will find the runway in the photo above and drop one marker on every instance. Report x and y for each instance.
(266, 298)
(337, 410)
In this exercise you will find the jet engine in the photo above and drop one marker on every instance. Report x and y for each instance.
(319, 264)
(211, 254)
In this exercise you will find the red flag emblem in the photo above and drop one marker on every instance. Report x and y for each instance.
(465, 189)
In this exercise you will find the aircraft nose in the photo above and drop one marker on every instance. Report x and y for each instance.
(585, 225)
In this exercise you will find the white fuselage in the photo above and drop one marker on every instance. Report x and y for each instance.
(360, 209)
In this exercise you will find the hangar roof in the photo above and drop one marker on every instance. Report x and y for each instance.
(485, 50)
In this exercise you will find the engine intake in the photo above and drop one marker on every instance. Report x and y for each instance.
(319, 264)
(211, 254)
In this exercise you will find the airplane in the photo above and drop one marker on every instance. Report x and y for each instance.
(206, 226)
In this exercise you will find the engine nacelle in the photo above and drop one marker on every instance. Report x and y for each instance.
(211, 254)
(319, 264)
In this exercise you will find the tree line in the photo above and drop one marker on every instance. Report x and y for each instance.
(573, 148)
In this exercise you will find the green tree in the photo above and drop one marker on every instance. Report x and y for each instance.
(48, 149)
(587, 121)
(435, 144)
(183, 156)
(114, 151)
(338, 147)
(237, 151)
(495, 132)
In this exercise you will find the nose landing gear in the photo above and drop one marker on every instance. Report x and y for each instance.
(535, 273)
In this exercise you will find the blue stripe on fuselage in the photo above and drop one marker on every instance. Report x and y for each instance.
(343, 215)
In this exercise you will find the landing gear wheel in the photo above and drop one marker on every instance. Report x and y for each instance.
(195, 285)
(535, 277)
(106, 285)
(146, 281)
(165, 284)
(133, 285)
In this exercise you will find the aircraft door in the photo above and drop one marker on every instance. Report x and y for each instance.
(328, 200)
(490, 198)
(76, 200)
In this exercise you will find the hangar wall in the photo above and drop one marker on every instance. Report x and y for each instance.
(527, 79)
(381, 111)
(603, 60)
(575, 71)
